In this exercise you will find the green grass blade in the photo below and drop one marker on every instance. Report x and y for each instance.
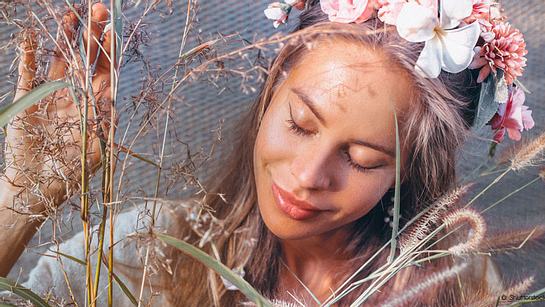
(8, 285)
(77, 260)
(120, 283)
(395, 226)
(125, 290)
(118, 22)
(32, 97)
(218, 267)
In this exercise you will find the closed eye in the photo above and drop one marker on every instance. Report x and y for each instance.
(298, 130)
(356, 166)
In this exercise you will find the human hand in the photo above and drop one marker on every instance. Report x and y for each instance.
(43, 144)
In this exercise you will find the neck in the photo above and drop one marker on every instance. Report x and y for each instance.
(314, 261)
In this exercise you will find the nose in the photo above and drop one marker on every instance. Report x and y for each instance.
(311, 171)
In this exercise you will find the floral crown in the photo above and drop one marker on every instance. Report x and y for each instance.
(457, 34)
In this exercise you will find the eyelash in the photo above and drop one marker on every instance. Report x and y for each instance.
(303, 132)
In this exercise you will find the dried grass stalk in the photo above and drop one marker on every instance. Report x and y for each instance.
(410, 294)
(478, 229)
(529, 154)
(423, 226)
(513, 238)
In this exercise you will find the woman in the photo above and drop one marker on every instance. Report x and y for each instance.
(305, 195)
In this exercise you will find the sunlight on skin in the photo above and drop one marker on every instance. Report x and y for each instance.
(339, 103)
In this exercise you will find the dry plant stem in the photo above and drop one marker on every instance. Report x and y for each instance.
(511, 194)
(409, 223)
(65, 275)
(84, 175)
(111, 137)
(397, 265)
(493, 205)
(496, 180)
(161, 157)
(259, 45)
(388, 270)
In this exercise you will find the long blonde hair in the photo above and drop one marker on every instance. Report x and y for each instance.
(433, 132)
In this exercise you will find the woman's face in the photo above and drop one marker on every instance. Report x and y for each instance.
(325, 151)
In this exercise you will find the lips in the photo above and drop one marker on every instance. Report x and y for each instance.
(297, 209)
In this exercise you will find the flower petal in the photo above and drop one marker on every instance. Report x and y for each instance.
(478, 62)
(514, 134)
(454, 11)
(458, 47)
(429, 62)
(519, 97)
(527, 119)
(388, 13)
(274, 12)
(483, 73)
(347, 11)
(416, 23)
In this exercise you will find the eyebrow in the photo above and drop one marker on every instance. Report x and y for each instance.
(377, 147)
(309, 102)
(312, 106)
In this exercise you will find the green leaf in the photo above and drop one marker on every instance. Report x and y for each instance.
(32, 97)
(218, 267)
(120, 283)
(77, 260)
(8, 285)
(397, 196)
(118, 25)
(491, 91)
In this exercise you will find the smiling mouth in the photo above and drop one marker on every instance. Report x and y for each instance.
(296, 209)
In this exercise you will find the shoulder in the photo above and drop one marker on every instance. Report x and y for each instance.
(61, 272)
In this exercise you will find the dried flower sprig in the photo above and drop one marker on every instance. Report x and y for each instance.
(478, 229)
(530, 154)
(423, 226)
(513, 239)
(409, 294)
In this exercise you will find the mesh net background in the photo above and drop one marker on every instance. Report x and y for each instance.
(202, 106)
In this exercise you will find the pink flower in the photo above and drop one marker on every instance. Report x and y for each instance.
(481, 12)
(347, 11)
(388, 10)
(512, 117)
(504, 49)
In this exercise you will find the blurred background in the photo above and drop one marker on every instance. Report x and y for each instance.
(204, 110)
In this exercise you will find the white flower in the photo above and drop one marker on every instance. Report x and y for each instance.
(446, 47)
(278, 12)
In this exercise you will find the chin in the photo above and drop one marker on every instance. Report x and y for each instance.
(286, 233)
(284, 227)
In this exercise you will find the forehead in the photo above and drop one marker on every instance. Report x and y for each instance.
(338, 69)
(353, 83)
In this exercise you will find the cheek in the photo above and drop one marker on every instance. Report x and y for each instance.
(363, 193)
(273, 141)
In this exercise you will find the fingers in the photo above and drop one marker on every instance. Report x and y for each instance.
(104, 59)
(99, 16)
(59, 63)
(27, 64)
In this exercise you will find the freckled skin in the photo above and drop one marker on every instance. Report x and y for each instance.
(354, 90)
